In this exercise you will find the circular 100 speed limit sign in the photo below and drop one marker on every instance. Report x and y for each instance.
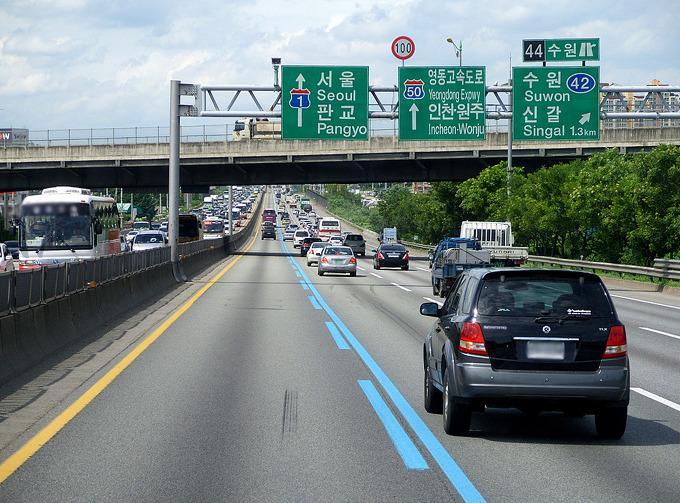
(403, 47)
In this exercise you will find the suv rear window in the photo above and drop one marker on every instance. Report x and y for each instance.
(354, 237)
(543, 295)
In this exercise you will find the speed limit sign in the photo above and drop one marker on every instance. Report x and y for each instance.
(403, 47)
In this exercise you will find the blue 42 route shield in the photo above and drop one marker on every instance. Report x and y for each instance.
(324, 102)
(442, 103)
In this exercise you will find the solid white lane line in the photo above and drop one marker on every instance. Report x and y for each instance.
(422, 269)
(645, 301)
(402, 287)
(657, 398)
(376, 275)
(432, 300)
(660, 332)
(361, 268)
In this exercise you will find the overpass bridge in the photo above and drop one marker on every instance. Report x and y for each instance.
(380, 159)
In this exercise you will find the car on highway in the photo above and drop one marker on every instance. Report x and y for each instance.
(268, 230)
(146, 240)
(289, 232)
(6, 260)
(306, 243)
(336, 240)
(131, 235)
(356, 243)
(13, 247)
(390, 255)
(141, 225)
(533, 339)
(299, 236)
(314, 252)
(337, 259)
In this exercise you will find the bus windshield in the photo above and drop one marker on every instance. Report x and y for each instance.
(56, 226)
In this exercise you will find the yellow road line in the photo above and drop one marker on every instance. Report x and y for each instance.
(33, 445)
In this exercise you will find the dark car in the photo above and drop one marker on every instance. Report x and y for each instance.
(268, 230)
(13, 247)
(390, 255)
(527, 338)
(356, 243)
(306, 243)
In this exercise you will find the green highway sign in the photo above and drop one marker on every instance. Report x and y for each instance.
(561, 49)
(324, 102)
(558, 103)
(442, 103)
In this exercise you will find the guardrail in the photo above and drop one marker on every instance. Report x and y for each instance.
(663, 269)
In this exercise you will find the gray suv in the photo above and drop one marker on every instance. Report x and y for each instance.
(527, 338)
(356, 243)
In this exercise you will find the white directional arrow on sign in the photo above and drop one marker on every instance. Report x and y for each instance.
(414, 110)
(584, 118)
(300, 82)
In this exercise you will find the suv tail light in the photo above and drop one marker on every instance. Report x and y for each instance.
(380, 256)
(406, 256)
(472, 340)
(616, 342)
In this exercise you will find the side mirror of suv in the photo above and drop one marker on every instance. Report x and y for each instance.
(430, 309)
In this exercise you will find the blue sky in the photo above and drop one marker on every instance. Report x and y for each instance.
(86, 63)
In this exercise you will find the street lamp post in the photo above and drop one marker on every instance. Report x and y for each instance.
(458, 48)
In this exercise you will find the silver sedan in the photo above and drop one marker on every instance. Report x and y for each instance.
(338, 259)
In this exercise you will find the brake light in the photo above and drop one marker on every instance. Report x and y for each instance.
(616, 342)
(472, 340)
(406, 256)
(324, 260)
(380, 256)
(352, 260)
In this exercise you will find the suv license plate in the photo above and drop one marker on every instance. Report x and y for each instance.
(545, 350)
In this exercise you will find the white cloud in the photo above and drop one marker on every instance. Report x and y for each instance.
(78, 63)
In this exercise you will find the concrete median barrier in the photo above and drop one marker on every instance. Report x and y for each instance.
(44, 310)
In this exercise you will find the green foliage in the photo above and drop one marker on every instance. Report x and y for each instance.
(147, 205)
(343, 203)
(608, 208)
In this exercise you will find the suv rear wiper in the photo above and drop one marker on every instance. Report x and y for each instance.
(562, 319)
(547, 319)
(577, 317)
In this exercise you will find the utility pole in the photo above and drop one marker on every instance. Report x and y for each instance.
(231, 227)
(173, 183)
(509, 167)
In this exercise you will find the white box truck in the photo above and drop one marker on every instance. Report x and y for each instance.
(497, 238)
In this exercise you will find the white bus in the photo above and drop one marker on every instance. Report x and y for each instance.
(329, 227)
(65, 224)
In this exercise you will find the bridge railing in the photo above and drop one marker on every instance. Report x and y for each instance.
(210, 133)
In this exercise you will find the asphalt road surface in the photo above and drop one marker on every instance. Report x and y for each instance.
(280, 385)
